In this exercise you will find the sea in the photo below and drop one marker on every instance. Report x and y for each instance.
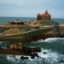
(54, 47)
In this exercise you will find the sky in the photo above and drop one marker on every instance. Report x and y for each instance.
(30, 8)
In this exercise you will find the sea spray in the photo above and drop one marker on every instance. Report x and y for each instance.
(47, 40)
(50, 57)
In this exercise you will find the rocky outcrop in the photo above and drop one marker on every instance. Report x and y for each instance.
(12, 31)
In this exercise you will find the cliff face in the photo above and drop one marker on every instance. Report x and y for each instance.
(32, 29)
(12, 31)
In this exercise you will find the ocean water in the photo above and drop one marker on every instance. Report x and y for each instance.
(53, 46)
(5, 20)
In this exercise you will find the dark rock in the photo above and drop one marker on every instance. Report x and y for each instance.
(0, 48)
(34, 55)
(23, 58)
(61, 61)
(45, 53)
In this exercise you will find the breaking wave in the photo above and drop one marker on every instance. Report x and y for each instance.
(49, 58)
(49, 40)
(53, 39)
(1, 42)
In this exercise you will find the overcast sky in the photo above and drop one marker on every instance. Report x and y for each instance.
(30, 8)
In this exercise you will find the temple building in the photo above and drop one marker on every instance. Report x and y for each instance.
(45, 16)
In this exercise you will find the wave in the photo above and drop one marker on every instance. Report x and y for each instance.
(50, 58)
(49, 40)
(13, 58)
(1, 42)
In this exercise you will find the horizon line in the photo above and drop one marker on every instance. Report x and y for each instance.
(31, 17)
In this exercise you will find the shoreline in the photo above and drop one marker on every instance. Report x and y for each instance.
(31, 39)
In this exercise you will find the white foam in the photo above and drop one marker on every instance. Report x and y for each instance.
(13, 58)
(10, 58)
(49, 56)
(1, 42)
(47, 40)
(51, 39)
(17, 57)
(40, 40)
(43, 55)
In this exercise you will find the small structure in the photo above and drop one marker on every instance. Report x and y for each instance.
(45, 16)
(17, 22)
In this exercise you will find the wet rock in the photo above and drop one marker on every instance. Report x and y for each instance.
(34, 55)
(44, 52)
(23, 58)
(61, 61)
(0, 48)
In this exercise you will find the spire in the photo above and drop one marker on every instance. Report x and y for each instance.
(38, 15)
(46, 13)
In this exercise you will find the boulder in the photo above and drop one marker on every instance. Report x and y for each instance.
(23, 58)
(34, 55)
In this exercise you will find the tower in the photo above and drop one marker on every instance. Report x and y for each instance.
(45, 16)
(46, 12)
